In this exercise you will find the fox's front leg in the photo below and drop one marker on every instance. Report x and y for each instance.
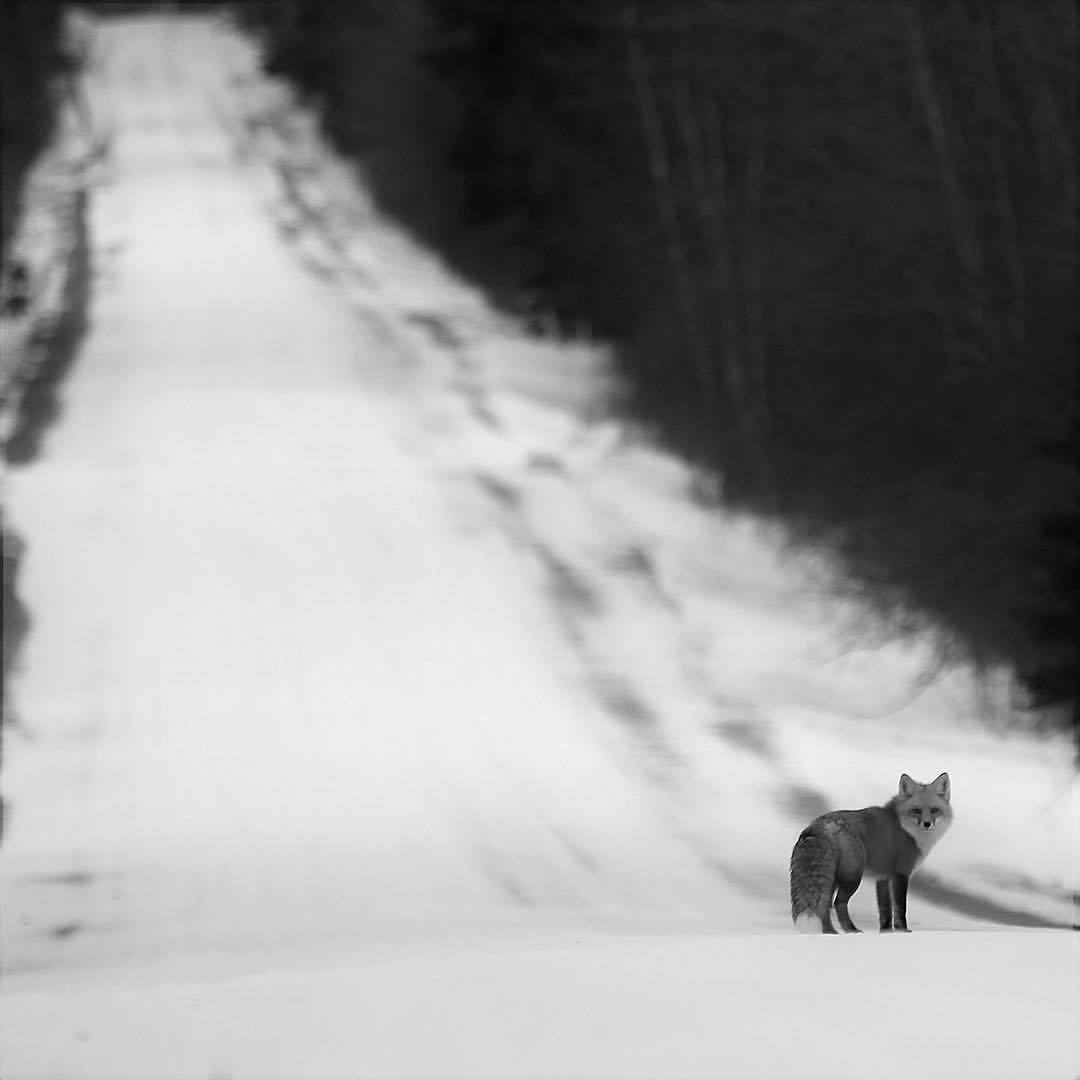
(884, 905)
(898, 884)
(892, 903)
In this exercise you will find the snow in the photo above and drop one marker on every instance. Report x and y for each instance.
(390, 708)
(680, 1005)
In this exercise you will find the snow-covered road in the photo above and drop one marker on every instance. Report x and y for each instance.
(300, 679)
(335, 664)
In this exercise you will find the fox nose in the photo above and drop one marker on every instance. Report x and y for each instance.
(928, 824)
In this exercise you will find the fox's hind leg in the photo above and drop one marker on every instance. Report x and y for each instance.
(845, 889)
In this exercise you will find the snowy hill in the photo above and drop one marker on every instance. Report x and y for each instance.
(390, 708)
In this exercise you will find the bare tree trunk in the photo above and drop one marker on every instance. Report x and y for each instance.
(756, 349)
(708, 175)
(961, 222)
(1013, 253)
(660, 170)
(1055, 142)
(710, 203)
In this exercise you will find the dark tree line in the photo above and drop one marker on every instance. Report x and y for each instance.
(29, 58)
(836, 243)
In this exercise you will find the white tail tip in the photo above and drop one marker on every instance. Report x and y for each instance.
(808, 923)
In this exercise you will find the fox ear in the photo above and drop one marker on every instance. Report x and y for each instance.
(907, 786)
(942, 786)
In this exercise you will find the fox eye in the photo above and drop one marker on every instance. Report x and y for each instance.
(934, 811)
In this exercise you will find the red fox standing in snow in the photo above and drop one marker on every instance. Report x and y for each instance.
(886, 842)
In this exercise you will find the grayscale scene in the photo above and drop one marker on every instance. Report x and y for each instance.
(540, 540)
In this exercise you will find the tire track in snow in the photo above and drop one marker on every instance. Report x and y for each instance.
(578, 599)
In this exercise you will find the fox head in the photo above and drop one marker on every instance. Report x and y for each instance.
(924, 809)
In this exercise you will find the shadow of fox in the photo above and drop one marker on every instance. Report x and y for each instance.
(888, 843)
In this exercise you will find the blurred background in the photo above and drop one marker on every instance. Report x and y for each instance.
(833, 243)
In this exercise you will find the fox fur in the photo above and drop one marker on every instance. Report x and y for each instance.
(835, 851)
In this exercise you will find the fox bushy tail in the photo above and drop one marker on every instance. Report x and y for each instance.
(813, 877)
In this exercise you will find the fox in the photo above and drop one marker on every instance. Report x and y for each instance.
(888, 843)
